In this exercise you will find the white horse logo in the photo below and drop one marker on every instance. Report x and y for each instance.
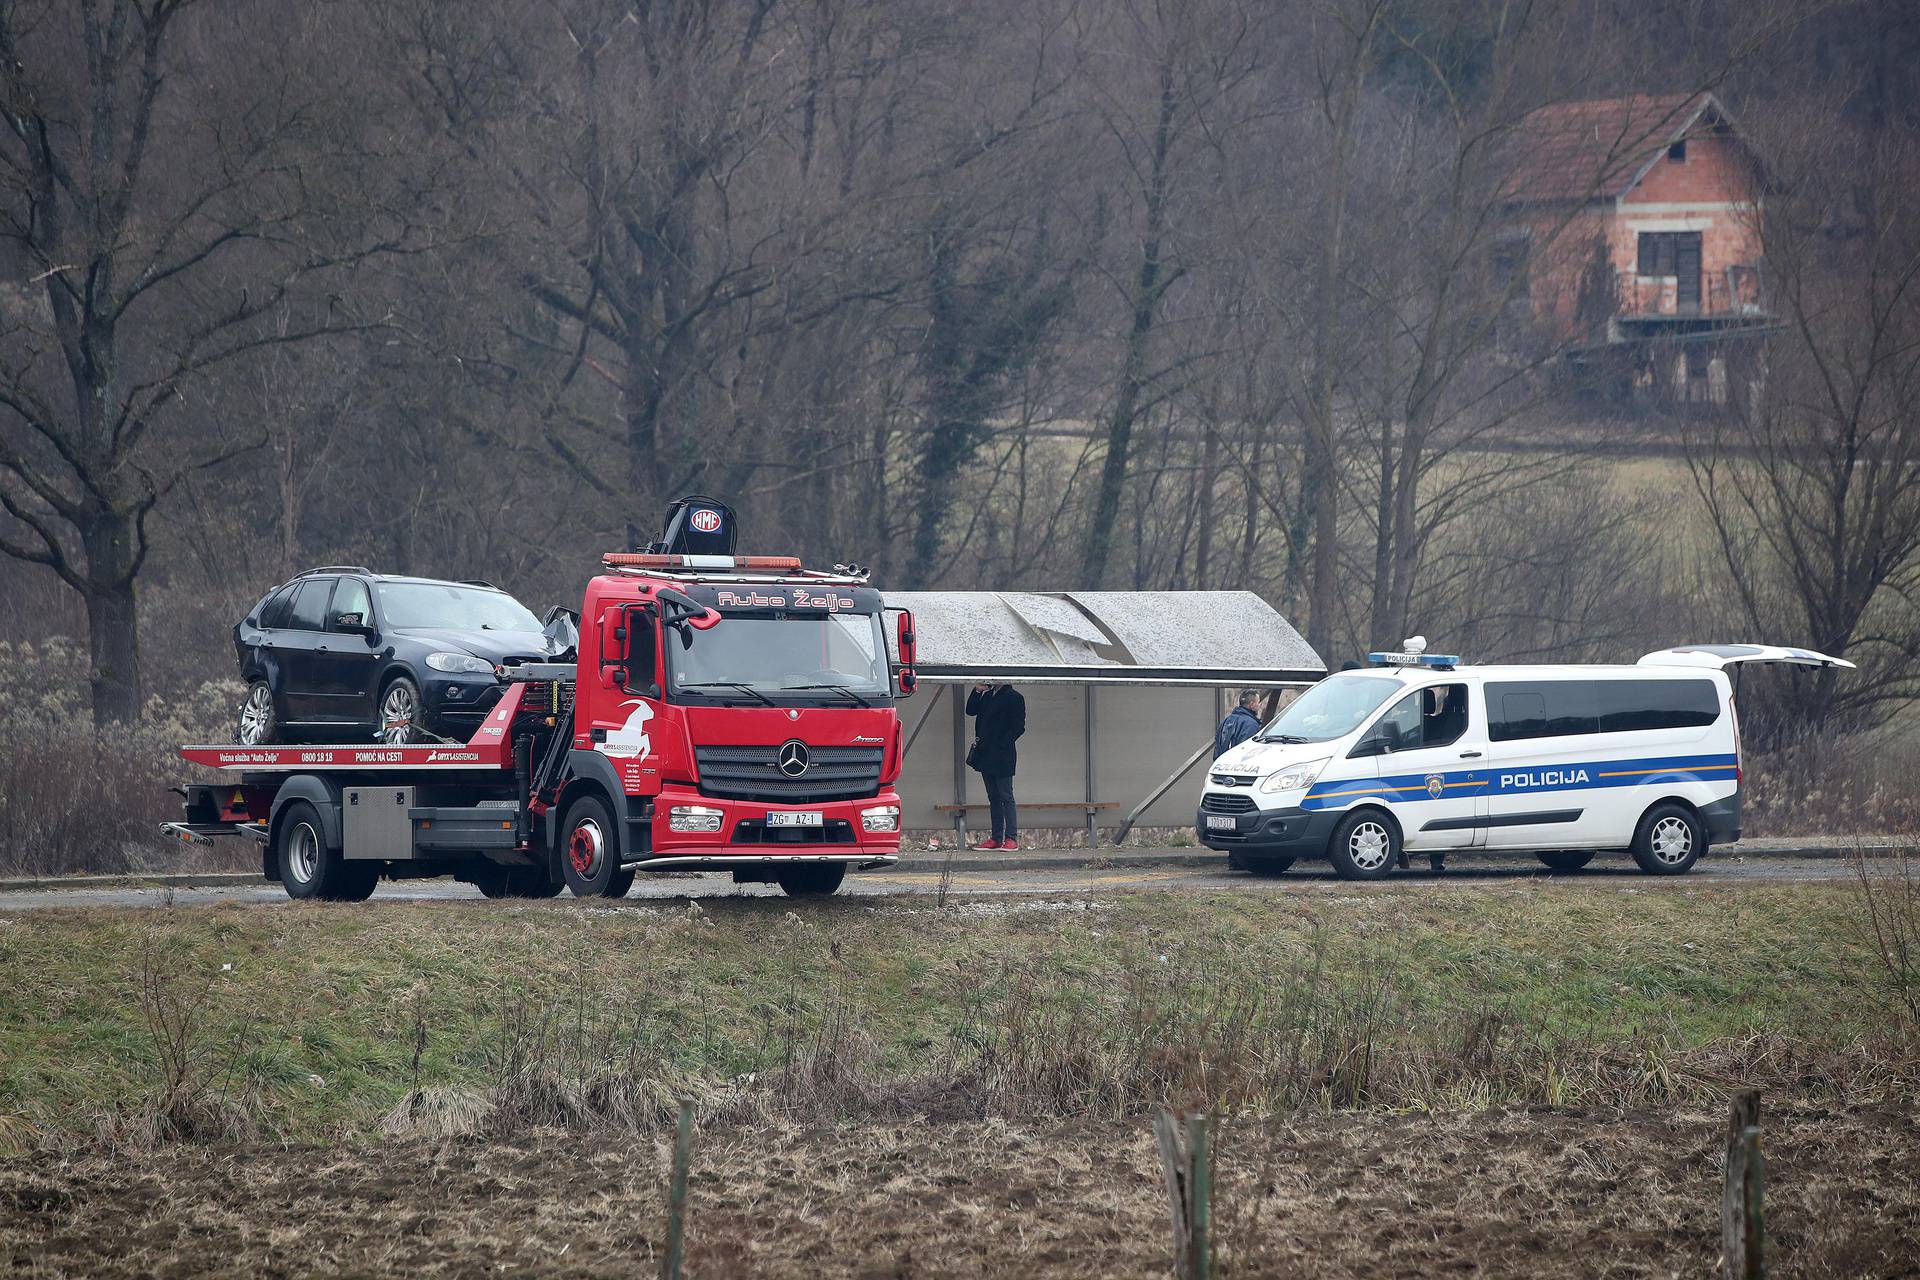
(630, 739)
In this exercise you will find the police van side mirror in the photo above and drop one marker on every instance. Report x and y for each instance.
(1374, 744)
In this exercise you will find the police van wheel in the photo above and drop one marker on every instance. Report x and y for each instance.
(1266, 866)
(1670, 840)
(1365, 846)
(1565, 859)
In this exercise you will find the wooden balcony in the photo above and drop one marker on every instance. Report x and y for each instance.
(1732, 294)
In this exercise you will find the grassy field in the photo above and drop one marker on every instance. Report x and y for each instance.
(1519, 1078)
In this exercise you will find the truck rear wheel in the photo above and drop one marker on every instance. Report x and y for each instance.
(590, 852)
(816, 880)
(308, 868)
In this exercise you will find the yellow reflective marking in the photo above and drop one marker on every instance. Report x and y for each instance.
(1692, 768)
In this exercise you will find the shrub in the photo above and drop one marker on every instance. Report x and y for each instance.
(72, 801)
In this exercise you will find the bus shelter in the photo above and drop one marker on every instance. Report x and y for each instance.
(1124, 690)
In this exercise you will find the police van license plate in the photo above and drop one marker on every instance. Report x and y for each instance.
(807, 819)
(1218, 822)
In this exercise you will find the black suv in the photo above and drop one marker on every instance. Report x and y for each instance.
(346, 652)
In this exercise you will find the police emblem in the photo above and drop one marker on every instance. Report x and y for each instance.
(1435, 785)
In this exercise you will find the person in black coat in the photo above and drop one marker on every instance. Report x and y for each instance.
(999, 718)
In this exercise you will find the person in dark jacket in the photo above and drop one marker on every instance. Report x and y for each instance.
(1241, 723)
(999, 718)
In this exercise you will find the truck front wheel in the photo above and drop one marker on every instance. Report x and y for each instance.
(590, 854)
(816, 880)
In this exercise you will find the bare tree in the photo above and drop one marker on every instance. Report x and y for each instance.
(167, 228)
(1812, 483)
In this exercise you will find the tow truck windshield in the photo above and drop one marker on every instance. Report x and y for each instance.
(1331, 709)
(783, 659)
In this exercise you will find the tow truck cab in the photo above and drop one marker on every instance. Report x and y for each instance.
(743, 714)
(719, 713)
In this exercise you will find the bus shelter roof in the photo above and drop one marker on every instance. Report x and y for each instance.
(1105, 637)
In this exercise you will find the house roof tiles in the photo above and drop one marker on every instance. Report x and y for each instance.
(1600, 149)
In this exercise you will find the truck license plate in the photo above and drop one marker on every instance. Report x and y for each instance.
(1216, 822)
(812, 819)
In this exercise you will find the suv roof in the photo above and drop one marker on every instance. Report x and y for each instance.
(365, 572)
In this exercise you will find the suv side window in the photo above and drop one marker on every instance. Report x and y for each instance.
(310, 605)
(351, 596)
(1435, 716)
(274, 612)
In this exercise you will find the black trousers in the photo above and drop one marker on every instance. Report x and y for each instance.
(1000, 804)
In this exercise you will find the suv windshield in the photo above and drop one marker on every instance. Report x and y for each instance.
(1331, 709)
(759, 659)
(450, 607)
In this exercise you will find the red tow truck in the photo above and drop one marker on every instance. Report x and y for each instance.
(721, 713)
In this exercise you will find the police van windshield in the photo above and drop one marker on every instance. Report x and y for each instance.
(1331, 709)
(838, 656)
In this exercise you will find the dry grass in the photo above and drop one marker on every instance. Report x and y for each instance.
(439, 1019)
(1504, 1193)
(1889, 924)
(1411, 1082)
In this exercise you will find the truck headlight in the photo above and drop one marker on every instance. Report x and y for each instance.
(694, 818)
(460, 664)
(1294, 777)
(884, 818)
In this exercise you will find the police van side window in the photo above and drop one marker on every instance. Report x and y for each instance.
(1562, 708)
(1629, 706)
(1539, 709)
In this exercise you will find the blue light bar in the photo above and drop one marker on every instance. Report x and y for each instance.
(1440, 661)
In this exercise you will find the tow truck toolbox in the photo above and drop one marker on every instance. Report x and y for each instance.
(719, 712)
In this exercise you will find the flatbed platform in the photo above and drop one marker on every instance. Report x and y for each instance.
(488, 749)
(311, 758)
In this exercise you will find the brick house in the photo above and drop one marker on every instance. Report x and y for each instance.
(1634, 220)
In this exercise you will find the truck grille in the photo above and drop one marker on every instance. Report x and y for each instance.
(753, 773)
(1213, 802)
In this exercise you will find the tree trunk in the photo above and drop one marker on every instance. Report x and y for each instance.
(1209, 466)
(1133, 368)
(113, 627)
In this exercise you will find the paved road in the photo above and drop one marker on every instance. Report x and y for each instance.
(1170, 873)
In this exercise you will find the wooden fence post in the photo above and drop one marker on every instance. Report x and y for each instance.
(1742, 1225)
(1186, 1163)
(677, 1194)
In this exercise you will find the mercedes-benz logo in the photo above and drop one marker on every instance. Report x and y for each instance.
(793, 758)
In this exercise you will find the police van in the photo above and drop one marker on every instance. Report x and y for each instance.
(1418, 754)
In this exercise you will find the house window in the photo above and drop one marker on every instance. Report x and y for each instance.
(1662, 252)
(1678, 152)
